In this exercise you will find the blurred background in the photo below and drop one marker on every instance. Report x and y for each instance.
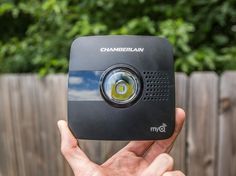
(35, 35)
(35, 38)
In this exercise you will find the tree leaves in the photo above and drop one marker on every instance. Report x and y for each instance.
(36, 35)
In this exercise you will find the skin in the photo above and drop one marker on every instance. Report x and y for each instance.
(137, 158)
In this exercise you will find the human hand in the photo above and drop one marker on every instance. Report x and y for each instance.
(138, 158)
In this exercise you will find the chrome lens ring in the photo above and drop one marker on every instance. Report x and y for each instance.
(120, 86)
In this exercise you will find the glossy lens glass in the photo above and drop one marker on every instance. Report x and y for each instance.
(121, 86)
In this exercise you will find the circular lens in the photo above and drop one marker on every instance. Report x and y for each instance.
(120, 86)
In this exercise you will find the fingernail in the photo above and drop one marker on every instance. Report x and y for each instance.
(59, 125)
(166, 159)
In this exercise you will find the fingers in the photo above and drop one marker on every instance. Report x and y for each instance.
(155, 148)
(138, 147)
(69, 147)
(173, 173)
(68, 142)
(160, 165)
(164, 146)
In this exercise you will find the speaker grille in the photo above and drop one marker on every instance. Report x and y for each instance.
(156, 86)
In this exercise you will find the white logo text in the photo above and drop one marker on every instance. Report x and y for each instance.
(122, 49)
(160, 129)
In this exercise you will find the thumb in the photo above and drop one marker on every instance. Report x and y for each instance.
(76, 158)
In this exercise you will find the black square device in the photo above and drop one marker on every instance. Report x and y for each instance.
(121, 88)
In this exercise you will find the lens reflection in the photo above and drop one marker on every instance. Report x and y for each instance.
(121, 86)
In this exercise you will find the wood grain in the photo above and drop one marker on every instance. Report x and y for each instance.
(8, 162)
(30, 107)
(179, 150)
(227, 124)
(16, 111)
(202, 124)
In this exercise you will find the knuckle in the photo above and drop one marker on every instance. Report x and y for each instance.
(167, 174)
(168, 158)
(174, 173)
(179, 173)
(65, 150)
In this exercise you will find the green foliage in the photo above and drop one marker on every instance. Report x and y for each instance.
(35, 35)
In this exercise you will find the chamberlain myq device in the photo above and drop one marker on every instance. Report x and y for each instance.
(121, 88)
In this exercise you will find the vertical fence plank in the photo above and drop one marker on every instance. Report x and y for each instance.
(16, 112)
(3, 164)
(227, 124)
(8, 162)
(61, 114)
(51, 100)
(202, 124)
(26, 125)
(30, 107)
(179, 149)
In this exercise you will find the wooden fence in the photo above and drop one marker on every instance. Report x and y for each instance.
(30, 107)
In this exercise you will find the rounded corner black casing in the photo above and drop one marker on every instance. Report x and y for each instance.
(151, 117)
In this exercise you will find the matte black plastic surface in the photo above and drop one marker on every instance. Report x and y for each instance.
(151, 117)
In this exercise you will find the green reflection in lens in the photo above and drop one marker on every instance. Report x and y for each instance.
(125, 89)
